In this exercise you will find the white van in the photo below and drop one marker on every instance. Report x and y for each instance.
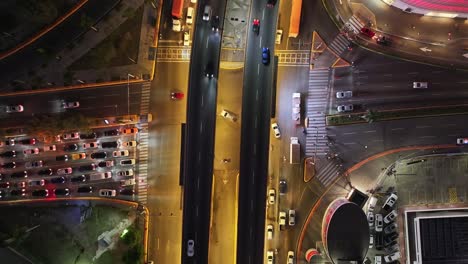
(189, 18)
(207, 13)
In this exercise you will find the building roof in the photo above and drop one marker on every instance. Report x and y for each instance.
(458, 6)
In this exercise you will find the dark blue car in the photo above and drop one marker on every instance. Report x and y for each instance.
(265, 55)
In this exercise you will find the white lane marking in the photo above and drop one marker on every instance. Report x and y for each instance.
(427, 137)
(449, 124)
(349, 133)
(463, 82)
(256, 96)
(258, 69)
(370, 131)
(452, 135)
(202, 100)
(255, 149)
(423, 126)
(377, 140)
(263, 15)
(196, 210)
(260, 41)
(256, 122)
(388, 75)
(207, 41)
(350, 143)
(388, 86)
(436, 71)
(399, 128)
(109, 95)
(413, 72)
(201, 128)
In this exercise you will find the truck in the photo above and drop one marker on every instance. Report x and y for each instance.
(294, 151)
(295, 19)
(177, 6)
(296, 108)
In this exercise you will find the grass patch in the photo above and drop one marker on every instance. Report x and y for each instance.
(354, 118)
(117, 48)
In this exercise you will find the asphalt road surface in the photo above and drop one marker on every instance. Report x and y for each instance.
(199, 149)
(255, 131)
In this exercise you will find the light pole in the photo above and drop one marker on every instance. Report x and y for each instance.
(128, 92)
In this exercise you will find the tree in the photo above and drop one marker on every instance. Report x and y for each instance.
(48, 126)
(370, 116)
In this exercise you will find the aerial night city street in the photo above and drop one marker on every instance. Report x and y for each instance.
(234, 131)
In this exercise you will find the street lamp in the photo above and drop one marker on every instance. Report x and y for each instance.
(128, 91)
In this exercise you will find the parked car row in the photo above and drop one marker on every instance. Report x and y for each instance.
(22, 192)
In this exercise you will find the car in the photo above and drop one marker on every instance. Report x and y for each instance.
(112, 132)
(85, 189)
(45, 172)
(127, 192)
(209, 70)
(107, 163)
(367, 32)
(88, 167)
(78, 156)
(215, 23)
(279, 36)
(8, 154)
(18, 192)
(371, 241)
(256, 26)
(33, 151)
(9, 165)
(127, 162)
(65, 171)
(283, 186)
(378, 223)
(50, 148)
(190, 248)
(186, 38)
(390, 238)
(420, 85)
(9, 142)
(62, 192)
(271, 3)
(71, 147)
(276, 130)
(90, 145)
(128, 182)
(270, 257)
(99, 155)
(392, 247)
(71, 136)
(462, 141)
(58, 180)
(282, 219)
(390, 202)
(127, 144)
(292, 217)
(70, 104)
(189, 17)
(206, 13)
(14, 108)
(290, 259)
(40, 193)
(378, 259)
(271, 196)
(392, 257)
(390, 216)
(125, 173)
(28, 141)
(61, 158)
(345, 108)
(270, 232)
(107, 192)
(2, 194)
(265, 55)
(4, 185)
(176, 25)
(228, 115)
(112, 144)
(91, 135)
(81, 178)
(19, 174)
(384, 41)
(372, 202)
(193, 1)
(34, 164)
(121, 153)
(370, 219)
(350, 46)
(37, 183)
(177, 95)
(344, 94)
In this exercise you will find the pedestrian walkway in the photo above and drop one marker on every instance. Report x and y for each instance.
(355, 24)
(327, 171)
(145, 98)
(173, 54)
(142, 171)
(293, 57)
(339, 44)
(316, 138)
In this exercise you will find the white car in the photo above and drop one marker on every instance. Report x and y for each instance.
(14, 108)
(378, 223)
(271, 196)
(370, 219)
(390, 217)
(420, 85)
(70, 136)
(345, 108)
(371, 241)
(279, 36)
(189, 18)
(228, 115)
(65, 171)
(390, 202)
(125, 173)
(176, 26)
(193, 1)
(107, 192)
(462, 141)
(190, 248)
(292, 217)
(50, 148)
(90, 145)
(207, 13)
(129, 144)
(344, 94)
(391, 228)
(34, 151)
(128, 182)
(270, 257)
(392, 257)
(270, 232)
(282, 219)
(70, 105)
(372, 202)
(186, 38)
(121, 153)
(290, 257)
(378, 259)
(276, 130)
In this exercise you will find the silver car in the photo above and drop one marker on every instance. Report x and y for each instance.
(190, 248)
(420, 85)
(228, 115)
(378, 223)
(344, 94)
(14, 109)
(345, 108)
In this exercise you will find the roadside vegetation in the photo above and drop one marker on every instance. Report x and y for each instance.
(46, 127)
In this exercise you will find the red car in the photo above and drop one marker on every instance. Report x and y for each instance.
(367, 32)
(177, 95)
(256, 26)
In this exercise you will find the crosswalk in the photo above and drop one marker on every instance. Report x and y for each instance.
(142, 170)
(293, 57)
(145, 98)
(316, 138)
(328, 172)
(173, 54)
(355, 24)
(339, 44)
